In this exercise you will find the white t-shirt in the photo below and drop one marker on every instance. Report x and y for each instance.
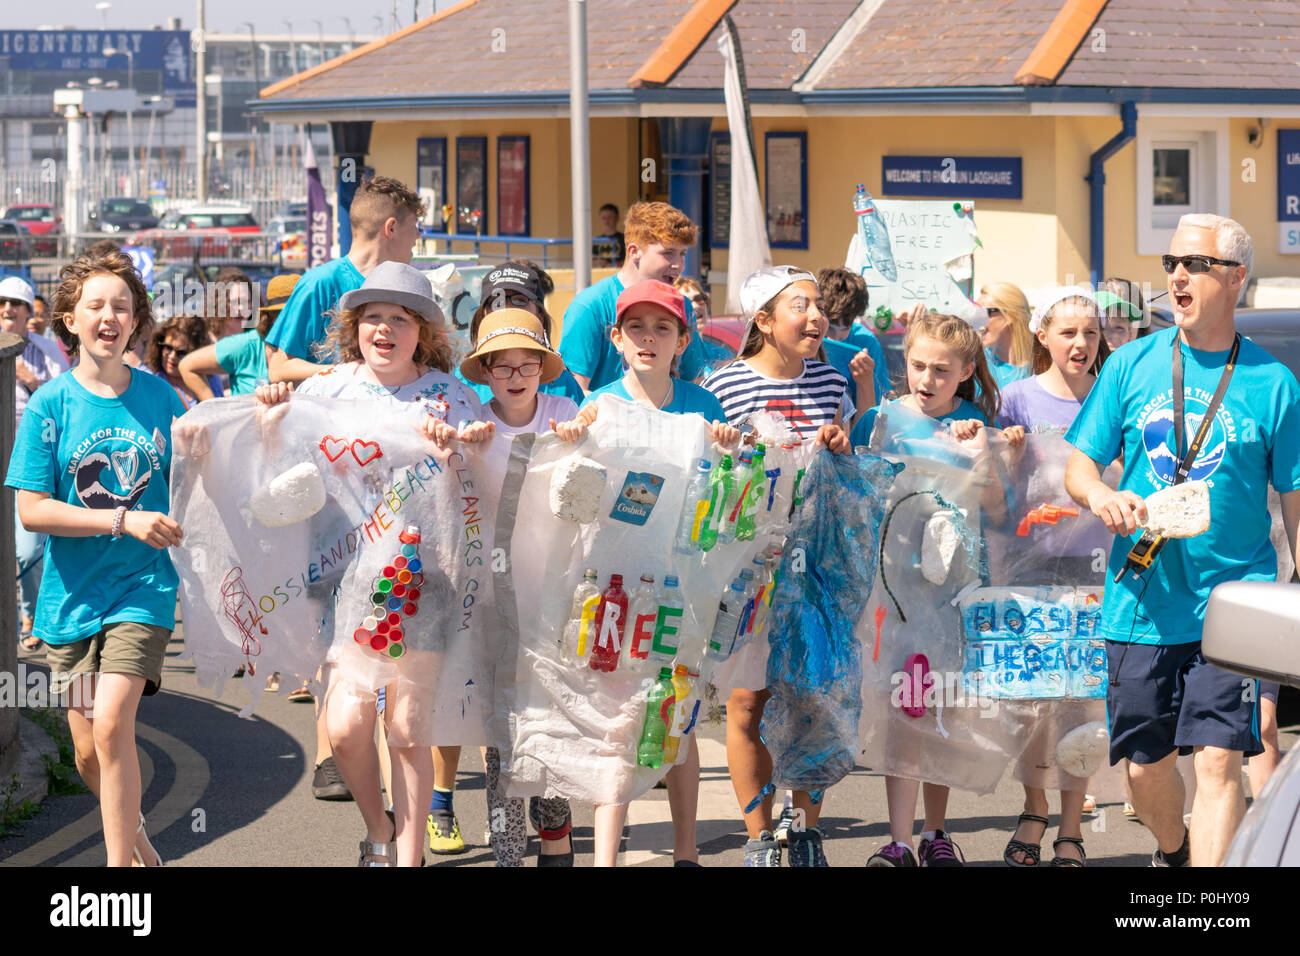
(46, 360)
(560, 407)
(440, 393)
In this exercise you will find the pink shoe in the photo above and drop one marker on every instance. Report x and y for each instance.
(916, 680)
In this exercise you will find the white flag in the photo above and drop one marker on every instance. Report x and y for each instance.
(749, 249)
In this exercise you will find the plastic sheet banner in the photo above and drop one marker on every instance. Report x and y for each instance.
(613, 504)
(318, 530)
(814, 671)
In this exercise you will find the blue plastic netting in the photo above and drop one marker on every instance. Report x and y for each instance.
(814, 671)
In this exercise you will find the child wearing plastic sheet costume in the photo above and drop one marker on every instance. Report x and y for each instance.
(388, 335)
(778, 371)
(650, 331)
(1068, 352)
(952, 477)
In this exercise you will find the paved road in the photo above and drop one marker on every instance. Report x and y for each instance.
(227, 791)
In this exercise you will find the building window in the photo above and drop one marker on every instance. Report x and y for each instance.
(512, 186)
(471, 184)
(1182, 167)
(431, 179)
(786, 188)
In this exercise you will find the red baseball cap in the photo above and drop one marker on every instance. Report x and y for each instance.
(655, 292)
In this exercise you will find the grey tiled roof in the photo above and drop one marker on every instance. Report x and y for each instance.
(1203, 44)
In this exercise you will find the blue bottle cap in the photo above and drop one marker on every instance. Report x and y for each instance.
(705, 464)
(670, 580)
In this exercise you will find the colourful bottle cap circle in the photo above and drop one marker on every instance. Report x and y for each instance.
(396, 650)
(370, 622)
(395, 634)
(379, 642)
(404, 576)
(361, 636)
(417, 580)
(408, 550)
(413, 594)
(399, 590)
(399, 562)
(394, 603)
(384, 586)
(410, 608)
(389, 571)
(394, 618)
(414, 565)
(379, 597)
(382, 627)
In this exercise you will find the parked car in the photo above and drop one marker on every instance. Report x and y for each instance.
(13, 241)
(292, 210)
(121, 213)
(292, 233)
(205, 230)
(38, 219)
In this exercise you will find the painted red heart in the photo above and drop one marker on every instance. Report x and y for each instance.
(369, 449)
(333, 447)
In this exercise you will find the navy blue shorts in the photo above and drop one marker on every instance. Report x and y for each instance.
(1170, 697)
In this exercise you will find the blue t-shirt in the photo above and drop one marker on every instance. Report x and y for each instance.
(563, 384)
(585, 343)
(687, 398)
(1254, 441)
(243, 356)
(861, 434)
(840, 353)
(94, 452)
(302, 322)
(1004, 373)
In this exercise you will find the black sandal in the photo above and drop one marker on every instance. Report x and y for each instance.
(1058, 860)
(1031, 851)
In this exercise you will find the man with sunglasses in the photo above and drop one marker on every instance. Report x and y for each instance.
(1239, 412)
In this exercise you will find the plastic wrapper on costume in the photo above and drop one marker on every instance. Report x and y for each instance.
(814, 671)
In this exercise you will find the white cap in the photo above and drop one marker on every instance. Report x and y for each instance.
(15, 288)
(1051, 299)
(765, 284)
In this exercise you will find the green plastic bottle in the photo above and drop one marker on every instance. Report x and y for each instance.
(745, 523)
(658, 718)
(722, 481)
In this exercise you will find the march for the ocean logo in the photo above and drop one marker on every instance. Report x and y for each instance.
(1157, 430)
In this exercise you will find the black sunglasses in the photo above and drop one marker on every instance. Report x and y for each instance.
(1194, 264)
(179, 353)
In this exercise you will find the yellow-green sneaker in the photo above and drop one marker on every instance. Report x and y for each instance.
(444, 833)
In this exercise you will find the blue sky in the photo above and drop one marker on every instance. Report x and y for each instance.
(223, 16)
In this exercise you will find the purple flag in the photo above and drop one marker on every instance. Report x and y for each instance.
(320, 226)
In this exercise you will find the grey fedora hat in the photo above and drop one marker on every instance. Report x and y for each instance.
(398, 283)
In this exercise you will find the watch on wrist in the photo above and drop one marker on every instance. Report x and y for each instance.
(119, 516)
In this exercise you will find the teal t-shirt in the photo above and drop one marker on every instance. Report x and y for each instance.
(302, 322)
(861, 434)
(94, 452)
(1254, 441)
(688, 398)
(585, 343)
(243, 356)
(1004, 373)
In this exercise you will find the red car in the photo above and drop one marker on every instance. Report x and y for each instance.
(38, 219)
(205, 229)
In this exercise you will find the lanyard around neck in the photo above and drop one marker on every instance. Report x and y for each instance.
(1185, 465)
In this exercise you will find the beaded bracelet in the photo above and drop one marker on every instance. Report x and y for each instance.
(118, 517)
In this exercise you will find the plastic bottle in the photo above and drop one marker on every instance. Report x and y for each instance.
(681, 693)
(729, 530)
(581, 613)
(725, 627)
(609, 627)
(658, 716)
(874, 234)
(753, 498)
(722, 481)
(668, 622)
(764, 602)
(753, 596)
(643, 608)
(699, 499)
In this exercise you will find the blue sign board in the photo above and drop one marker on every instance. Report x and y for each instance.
(142, 258)
(952, 177)
(1288, 175)
(80, 53)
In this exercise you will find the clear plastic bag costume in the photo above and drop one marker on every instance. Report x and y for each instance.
(574, 729)
(814, 671)
(294, 515)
